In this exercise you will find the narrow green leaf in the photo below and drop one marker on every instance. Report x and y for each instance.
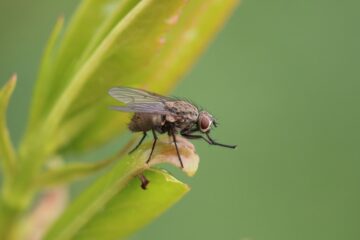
(68, 173)
(8, 214)
(7, 153)
(46, 67)
(64, 174)
(110, 203)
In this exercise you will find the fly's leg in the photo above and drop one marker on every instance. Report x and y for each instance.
(177, 150)
(209, 141)
(139, 143)
(144, 181)
(153, 146)
(190, 136)
(219, 144)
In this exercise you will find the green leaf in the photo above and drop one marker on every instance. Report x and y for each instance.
(7, 153)
(128, 210)
(115, 205)
(8, 163)
(44, 79)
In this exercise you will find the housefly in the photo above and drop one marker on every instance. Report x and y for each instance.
(161, 114)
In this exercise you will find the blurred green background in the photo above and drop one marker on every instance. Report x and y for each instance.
(283, 79)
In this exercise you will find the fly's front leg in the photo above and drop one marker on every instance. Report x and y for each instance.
(209, 140)
(190, 136)
(219, 144)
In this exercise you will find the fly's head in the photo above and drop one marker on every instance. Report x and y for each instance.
(205, 121)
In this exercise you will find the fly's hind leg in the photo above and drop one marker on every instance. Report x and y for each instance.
(153, 145)
(139, 143)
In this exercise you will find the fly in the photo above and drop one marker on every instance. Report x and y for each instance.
(161, 114)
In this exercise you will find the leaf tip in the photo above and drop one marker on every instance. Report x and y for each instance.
(61, 18)
(9, 86)
(13, 80)
(13, 77)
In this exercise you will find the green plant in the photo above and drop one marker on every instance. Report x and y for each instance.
(147, 44)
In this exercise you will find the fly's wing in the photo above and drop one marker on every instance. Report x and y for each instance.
(137, 100)
(132, 95)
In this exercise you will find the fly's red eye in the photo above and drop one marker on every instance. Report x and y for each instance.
(204, 124)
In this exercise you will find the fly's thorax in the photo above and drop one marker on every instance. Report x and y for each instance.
(182, 111)
(182, 114)
(142, 122)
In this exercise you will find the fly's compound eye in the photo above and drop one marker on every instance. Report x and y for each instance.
(204, 123)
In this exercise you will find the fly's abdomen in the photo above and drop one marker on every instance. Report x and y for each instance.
(143, 122)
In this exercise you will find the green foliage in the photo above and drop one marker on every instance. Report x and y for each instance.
(147, 44)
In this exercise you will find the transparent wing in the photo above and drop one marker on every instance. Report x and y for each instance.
(132, 95)
(137, 100)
